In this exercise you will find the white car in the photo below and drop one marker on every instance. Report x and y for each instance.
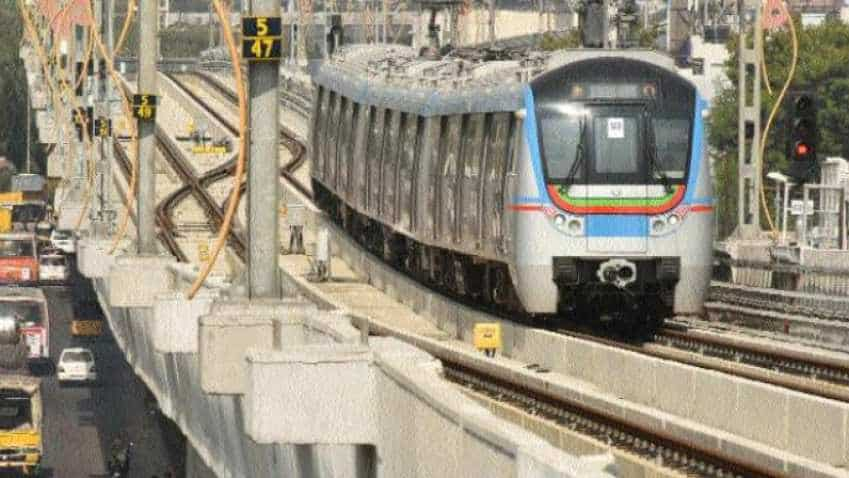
(76, 365)
(53, 267)
(63, 240)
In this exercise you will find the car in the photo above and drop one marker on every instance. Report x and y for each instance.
(63, 240)
(53, 267)
(76, 364)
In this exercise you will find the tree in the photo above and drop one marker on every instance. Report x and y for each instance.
(823, 67)
(571, 39)
(14, 91)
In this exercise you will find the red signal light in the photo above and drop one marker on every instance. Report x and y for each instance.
(802, 149)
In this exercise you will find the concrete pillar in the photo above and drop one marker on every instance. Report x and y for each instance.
(263, 172)
(79, 55)
(95, 211)
(112, 101)
(148, 41)
(211, 26)
(749, 112)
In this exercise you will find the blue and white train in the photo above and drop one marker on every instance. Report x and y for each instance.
(572, 184)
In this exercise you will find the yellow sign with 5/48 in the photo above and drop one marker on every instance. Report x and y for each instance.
(203, 252)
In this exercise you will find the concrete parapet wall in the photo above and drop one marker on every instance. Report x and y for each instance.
(328, 391)
(249, 433)
(224, 340)
(93, 258)
(176, 319)
(134, 288)
(824, 283)
(770, 415)
(439, 421)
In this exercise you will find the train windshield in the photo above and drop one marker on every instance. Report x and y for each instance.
(613, 144)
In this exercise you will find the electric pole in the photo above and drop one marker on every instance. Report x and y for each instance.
(262, 36)
(145, 103)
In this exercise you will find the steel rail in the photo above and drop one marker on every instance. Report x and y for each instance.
(287, 137)
(164, 209)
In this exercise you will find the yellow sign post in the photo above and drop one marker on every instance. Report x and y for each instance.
(487, 337)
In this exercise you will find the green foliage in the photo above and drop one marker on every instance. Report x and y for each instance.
(823, 68)
(180, 40)
(572, 39)
(13, 91)
(647, 37)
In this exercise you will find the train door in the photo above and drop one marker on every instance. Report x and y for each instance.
(616, 191)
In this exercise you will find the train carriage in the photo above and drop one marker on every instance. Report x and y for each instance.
(571, 183)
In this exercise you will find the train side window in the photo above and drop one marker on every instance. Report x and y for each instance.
(495, 172)
(473, 137)
(429, 166)
(333, 139)
(343, 154)
(409, 140)
(448, 181)
(374, 153)
(321, 132)
(359, 137)
(316, 118)
(389, 166)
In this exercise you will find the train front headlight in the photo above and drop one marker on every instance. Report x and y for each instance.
(574, 226)
(658, 225)
(673, 220)
(559, 220)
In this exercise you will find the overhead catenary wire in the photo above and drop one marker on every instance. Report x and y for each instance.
(233, 201)
(86, 59)
(109, 58)
(125, 29)
(42, 55)
(790, 75)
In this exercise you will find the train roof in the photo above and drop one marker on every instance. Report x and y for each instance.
(21, 293)
(397, 77)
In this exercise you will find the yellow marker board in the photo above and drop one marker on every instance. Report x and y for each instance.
(487, 336)
(209, 149)
(203, 252)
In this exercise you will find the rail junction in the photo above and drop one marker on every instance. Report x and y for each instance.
(350, 367)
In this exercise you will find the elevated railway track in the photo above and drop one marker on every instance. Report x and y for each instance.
(800, 371)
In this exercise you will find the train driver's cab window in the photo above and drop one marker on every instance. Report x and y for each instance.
(615, 140)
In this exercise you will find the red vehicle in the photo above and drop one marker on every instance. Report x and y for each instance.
(18, 258)
(27, 306)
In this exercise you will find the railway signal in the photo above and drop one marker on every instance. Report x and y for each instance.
(802, 138)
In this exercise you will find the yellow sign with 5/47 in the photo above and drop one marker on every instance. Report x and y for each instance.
(261, 38)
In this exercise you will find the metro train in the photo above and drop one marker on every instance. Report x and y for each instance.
(570, 184)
